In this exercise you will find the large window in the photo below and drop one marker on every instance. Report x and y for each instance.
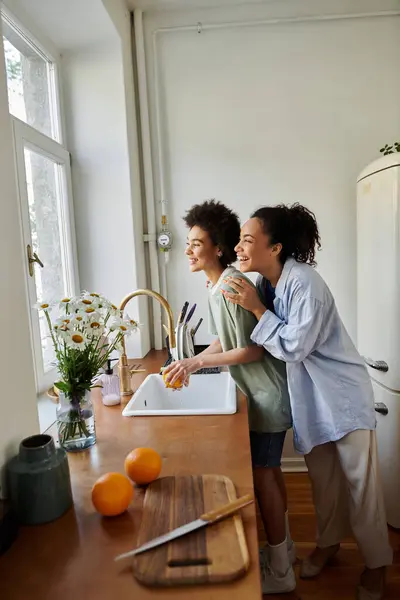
(44, 184)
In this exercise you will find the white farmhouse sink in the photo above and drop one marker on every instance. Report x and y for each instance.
(206, 395)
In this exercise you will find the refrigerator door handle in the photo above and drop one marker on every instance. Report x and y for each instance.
(379, 365)
(381, 408)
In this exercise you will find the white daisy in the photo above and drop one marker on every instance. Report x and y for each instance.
(103, 303)
(121, 325)
(76, 340)
(98, 299)
(123, 328)
(77, 321)
(89, 313)
(64, 304)
(95, 300)
(43, 306)
(86, 301)
(63, 321)
(112, 310)
(62, 331)
(131, 323)
(95, 328)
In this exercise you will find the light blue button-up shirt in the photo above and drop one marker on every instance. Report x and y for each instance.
(330, 390)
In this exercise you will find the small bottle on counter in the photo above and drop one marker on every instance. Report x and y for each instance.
(110, 386)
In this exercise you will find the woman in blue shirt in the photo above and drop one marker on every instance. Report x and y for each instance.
(330, 390)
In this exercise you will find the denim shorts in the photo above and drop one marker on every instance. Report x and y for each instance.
(266, 448)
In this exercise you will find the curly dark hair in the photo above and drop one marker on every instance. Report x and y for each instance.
(221, 224)
(295, 227)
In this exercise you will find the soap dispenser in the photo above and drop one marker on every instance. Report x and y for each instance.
(110, 385)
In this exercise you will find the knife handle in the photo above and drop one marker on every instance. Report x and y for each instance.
(229, 509)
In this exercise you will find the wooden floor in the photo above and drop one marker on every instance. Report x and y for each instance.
(339, 580)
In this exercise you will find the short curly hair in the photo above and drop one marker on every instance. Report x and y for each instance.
(221, 224)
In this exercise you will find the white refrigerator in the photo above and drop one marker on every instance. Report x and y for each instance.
(378, 310)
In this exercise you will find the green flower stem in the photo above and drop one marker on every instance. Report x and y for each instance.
(75, 425)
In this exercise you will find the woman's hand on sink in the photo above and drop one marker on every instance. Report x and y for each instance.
(182, 369)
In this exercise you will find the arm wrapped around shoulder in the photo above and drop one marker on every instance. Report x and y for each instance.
(293, 341)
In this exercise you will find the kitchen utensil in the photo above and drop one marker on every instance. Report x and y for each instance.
(181, 337)
(189, 343)
(179, 354)
(209, 554)
(169, 359)
(190, 314)
(194, 331)
(168, 346)
(186, 338)
(183, 312)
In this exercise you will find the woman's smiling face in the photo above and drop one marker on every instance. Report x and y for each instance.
(254, 250)
(201, 251)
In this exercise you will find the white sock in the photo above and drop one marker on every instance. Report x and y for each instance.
(288, 536)
(279, 559)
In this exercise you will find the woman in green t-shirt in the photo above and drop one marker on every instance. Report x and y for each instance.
(214, 231)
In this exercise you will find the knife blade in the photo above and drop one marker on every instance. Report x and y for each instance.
(190, 314)
(209, 518)
(195, 329)
(183, 312)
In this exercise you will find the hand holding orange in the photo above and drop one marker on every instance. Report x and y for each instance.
(177, 373)
(177, 385)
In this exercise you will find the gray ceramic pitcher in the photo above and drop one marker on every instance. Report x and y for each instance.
(39, 481)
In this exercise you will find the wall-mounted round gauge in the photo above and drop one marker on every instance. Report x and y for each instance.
(164, 240)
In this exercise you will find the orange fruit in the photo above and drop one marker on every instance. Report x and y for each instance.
(176, 386)
(111, 494)
(143, 465)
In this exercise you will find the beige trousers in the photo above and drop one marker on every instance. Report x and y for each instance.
(348, 496)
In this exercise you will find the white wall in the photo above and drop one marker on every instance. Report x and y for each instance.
(273, 113)
(121, 18)
(96, 133)
(18, 409)
(276, 112)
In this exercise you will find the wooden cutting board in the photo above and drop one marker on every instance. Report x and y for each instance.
(214, 554)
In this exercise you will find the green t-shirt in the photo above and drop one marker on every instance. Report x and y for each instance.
(263, 382)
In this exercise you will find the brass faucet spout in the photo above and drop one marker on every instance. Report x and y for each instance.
(124, 370)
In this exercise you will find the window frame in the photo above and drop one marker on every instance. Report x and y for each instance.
(52, 57)
(26, 136)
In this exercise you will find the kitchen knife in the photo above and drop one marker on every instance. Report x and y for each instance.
(190, 344)
(190, 314)
(168, 346)
(207, 519)
(169, 359)
(186, 350)
(183, 312)
(179, 333)
(194, 331)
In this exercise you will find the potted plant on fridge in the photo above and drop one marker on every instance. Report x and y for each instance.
(390, 149)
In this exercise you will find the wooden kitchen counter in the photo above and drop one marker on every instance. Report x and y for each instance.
(73, 556)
